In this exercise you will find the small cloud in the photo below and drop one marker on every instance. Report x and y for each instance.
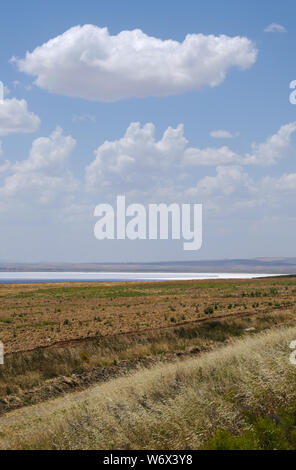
(83, 117)
(15, 116)
(17, 83)
(275, 28)
(222, 134)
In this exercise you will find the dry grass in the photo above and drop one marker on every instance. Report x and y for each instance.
(24, 371)
(172, 406)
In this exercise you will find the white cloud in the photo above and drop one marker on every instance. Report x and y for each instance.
(285, 183)
(274, 149)
(44, 174)
(87, 62)
(229, 179)
(4, 165)
(138, 161)
(17, 83)
(210, 156)
(83, 117)
(143, 167)
(222, 134)
(275, 28)
(15, 117)
(41, 199)
(48, 153)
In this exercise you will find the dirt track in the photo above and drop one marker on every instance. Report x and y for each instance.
(53, 315)
(77, 341)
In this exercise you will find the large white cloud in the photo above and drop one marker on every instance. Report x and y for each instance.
(15, 117)
(138, 160)
(44, 174)
(86, 61)
(41, 194)
(141, 166)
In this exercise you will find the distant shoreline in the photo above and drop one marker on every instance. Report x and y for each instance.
(48, 277)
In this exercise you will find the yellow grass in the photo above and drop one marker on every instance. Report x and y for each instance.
(172, 406)
(27, 371)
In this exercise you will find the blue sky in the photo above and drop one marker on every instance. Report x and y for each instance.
(47, 214)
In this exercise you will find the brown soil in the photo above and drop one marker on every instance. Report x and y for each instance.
(47, 315)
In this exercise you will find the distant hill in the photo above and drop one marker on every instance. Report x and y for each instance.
(255, 265)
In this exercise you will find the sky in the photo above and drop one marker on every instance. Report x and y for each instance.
(163, 102)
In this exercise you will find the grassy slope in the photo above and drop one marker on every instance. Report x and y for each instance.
(174, 406)
(25, 373)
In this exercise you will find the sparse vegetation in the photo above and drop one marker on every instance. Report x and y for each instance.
(148, 325)
(26, 370)
(51, 313)
(222, 399)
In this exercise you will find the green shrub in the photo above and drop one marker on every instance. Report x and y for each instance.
(224, 440)
(277, 432)
(208, 310)
(84, 356)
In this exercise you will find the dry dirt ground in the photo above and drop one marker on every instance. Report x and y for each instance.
(44, 315)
